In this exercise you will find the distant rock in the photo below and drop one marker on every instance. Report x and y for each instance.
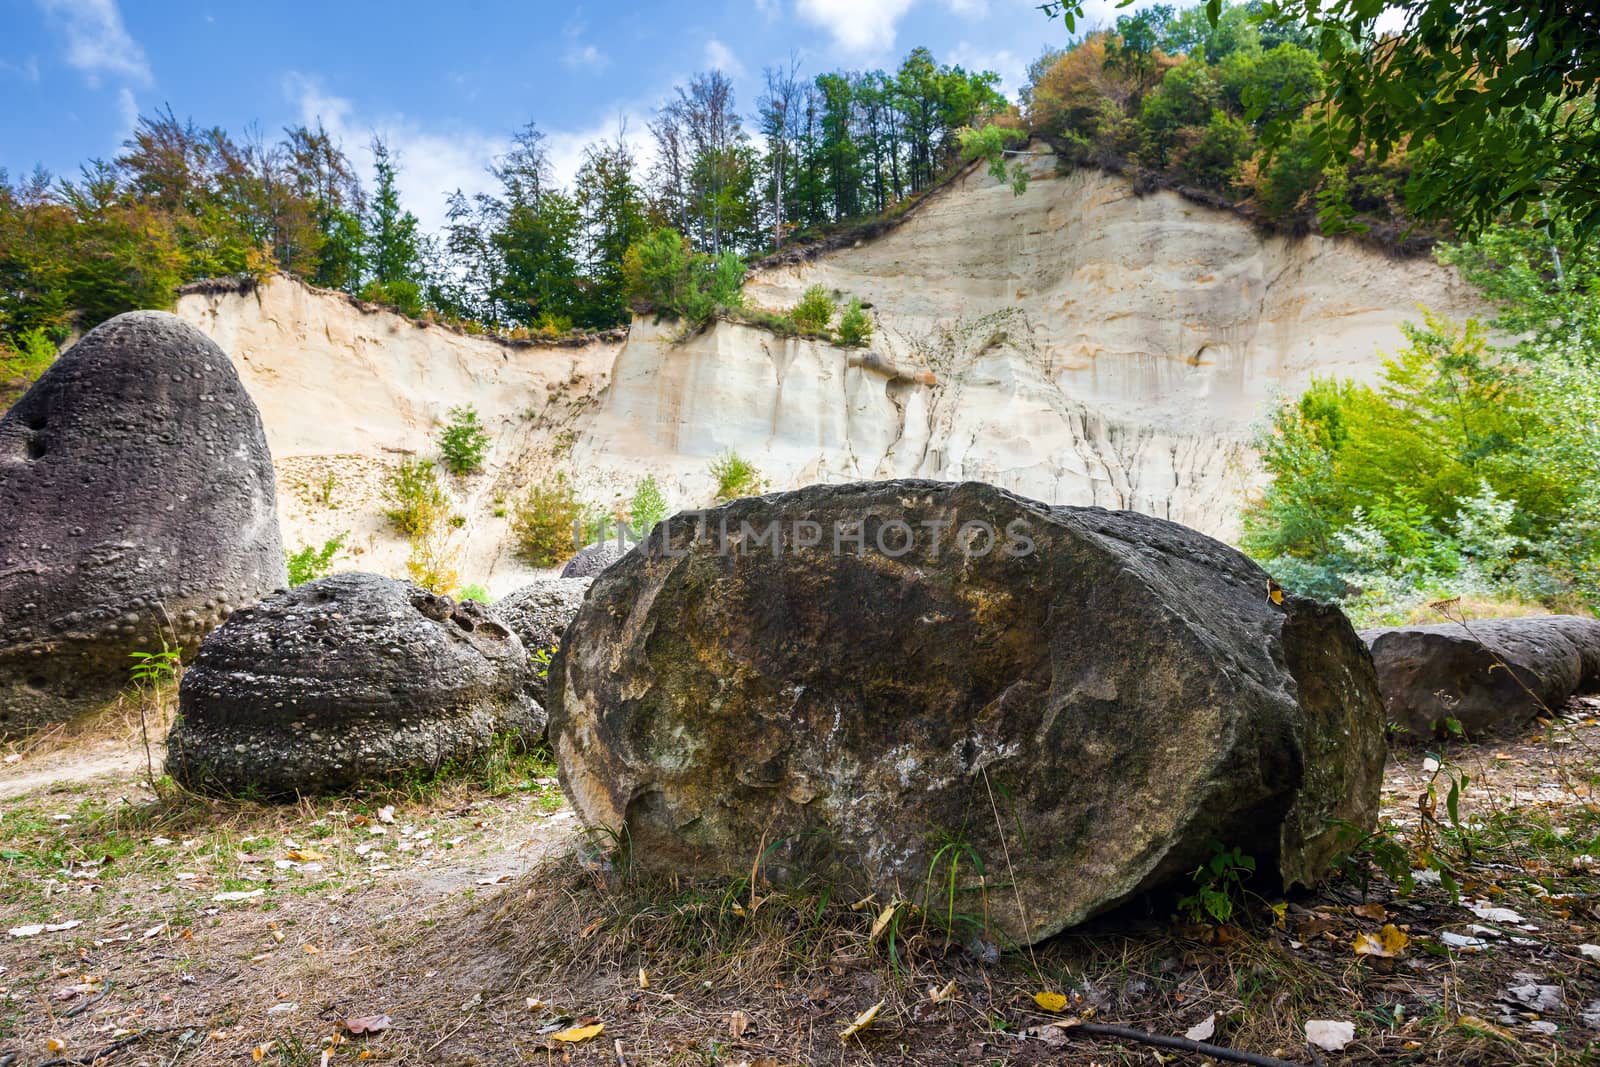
(538, 614)
(137, 495)
(1490, 675)
(592, 559)
(856, 677)
(347, 680)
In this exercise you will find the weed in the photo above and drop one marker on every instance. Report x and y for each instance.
(417, 500)
(1218, 885)
(474, 591)
(736, 476)
(647, 508)
(153, 673)
(543, 521)
(310, 563)
(464, 442)
(855, 327)
(814, 311)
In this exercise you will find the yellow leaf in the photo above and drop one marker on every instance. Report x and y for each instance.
(1050, 1001)
(1387, 943)
(1274, 592)
(260, 1052)
(861, 1022)
(579, 1033)
(1482, 1027)
(882, 921)
(55, 1044)
(644, 979)
(1280, 910)
(939, 996)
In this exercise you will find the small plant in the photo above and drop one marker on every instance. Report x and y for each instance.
(736, 476)
(153, 673)
(330, 482)
(814, 311)
(435, 552)
(474, 591)
(855, 326)
(416, 499)
(310, 562)
(647, 508)
(540, 660)
(552, 325)
(543, 521)
(464, 442)
(1218, 885)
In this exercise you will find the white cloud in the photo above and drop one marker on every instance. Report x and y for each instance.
(27, 70)
(720, 57)
(581, 53)
(97, 41)
(863, 27)
(770, 8)
(1012, 68)
(434, 163)
(972, 9)
(128, 108)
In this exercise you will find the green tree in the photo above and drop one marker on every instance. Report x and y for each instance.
(612, 209)
(393, 253)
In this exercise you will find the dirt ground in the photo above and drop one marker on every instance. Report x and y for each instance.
(471, 921)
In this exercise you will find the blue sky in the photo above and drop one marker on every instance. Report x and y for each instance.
(445, 83)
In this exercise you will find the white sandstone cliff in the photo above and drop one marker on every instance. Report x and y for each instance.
(1078, 344)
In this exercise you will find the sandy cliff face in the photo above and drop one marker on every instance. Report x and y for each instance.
(345, 392)
(1078, 344)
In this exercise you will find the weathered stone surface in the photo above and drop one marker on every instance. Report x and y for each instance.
(591, 560)
(349, 679)
(1489, 675)
(538, 614)
(136, 492)
(1088, 706)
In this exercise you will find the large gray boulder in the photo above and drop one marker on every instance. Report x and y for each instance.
(1086, 701)
(1490, 675)
(136, 491)
(538, 614)
(347, 680)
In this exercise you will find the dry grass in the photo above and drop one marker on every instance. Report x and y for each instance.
(739, 972)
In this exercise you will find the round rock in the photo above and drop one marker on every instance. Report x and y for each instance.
(591, 560)
(347, 680)
(866, 683)
(538, 614)
(137, 491)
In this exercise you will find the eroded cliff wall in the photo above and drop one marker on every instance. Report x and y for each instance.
(1079, 344)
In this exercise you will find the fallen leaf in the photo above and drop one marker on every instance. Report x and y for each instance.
(1204, 1030)
(1330, 1035)
(882, 922)
(44, 928)
(534, 1003)
(1473, 1024)
(1387, 943)
(56, 1044)
(238, 894)
(644, 979)
(1590, 952)
(738, 1023)
(1050, 1001)
(1488, 913)
(312, 950)
(1376, 912)
(579, 1033)
(260, 1052)
(939, 996)
(861, 1022)
(1463, 942)
(386, 813)
(368, 1024)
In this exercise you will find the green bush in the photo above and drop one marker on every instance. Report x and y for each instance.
(464, 442)
(542, 523)
(310, 562)
(474, 591)
(28, 355)
(663, 273)
(736, 476)
(855, 326)
(814, 311)
(648, 507)
(417, 502)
